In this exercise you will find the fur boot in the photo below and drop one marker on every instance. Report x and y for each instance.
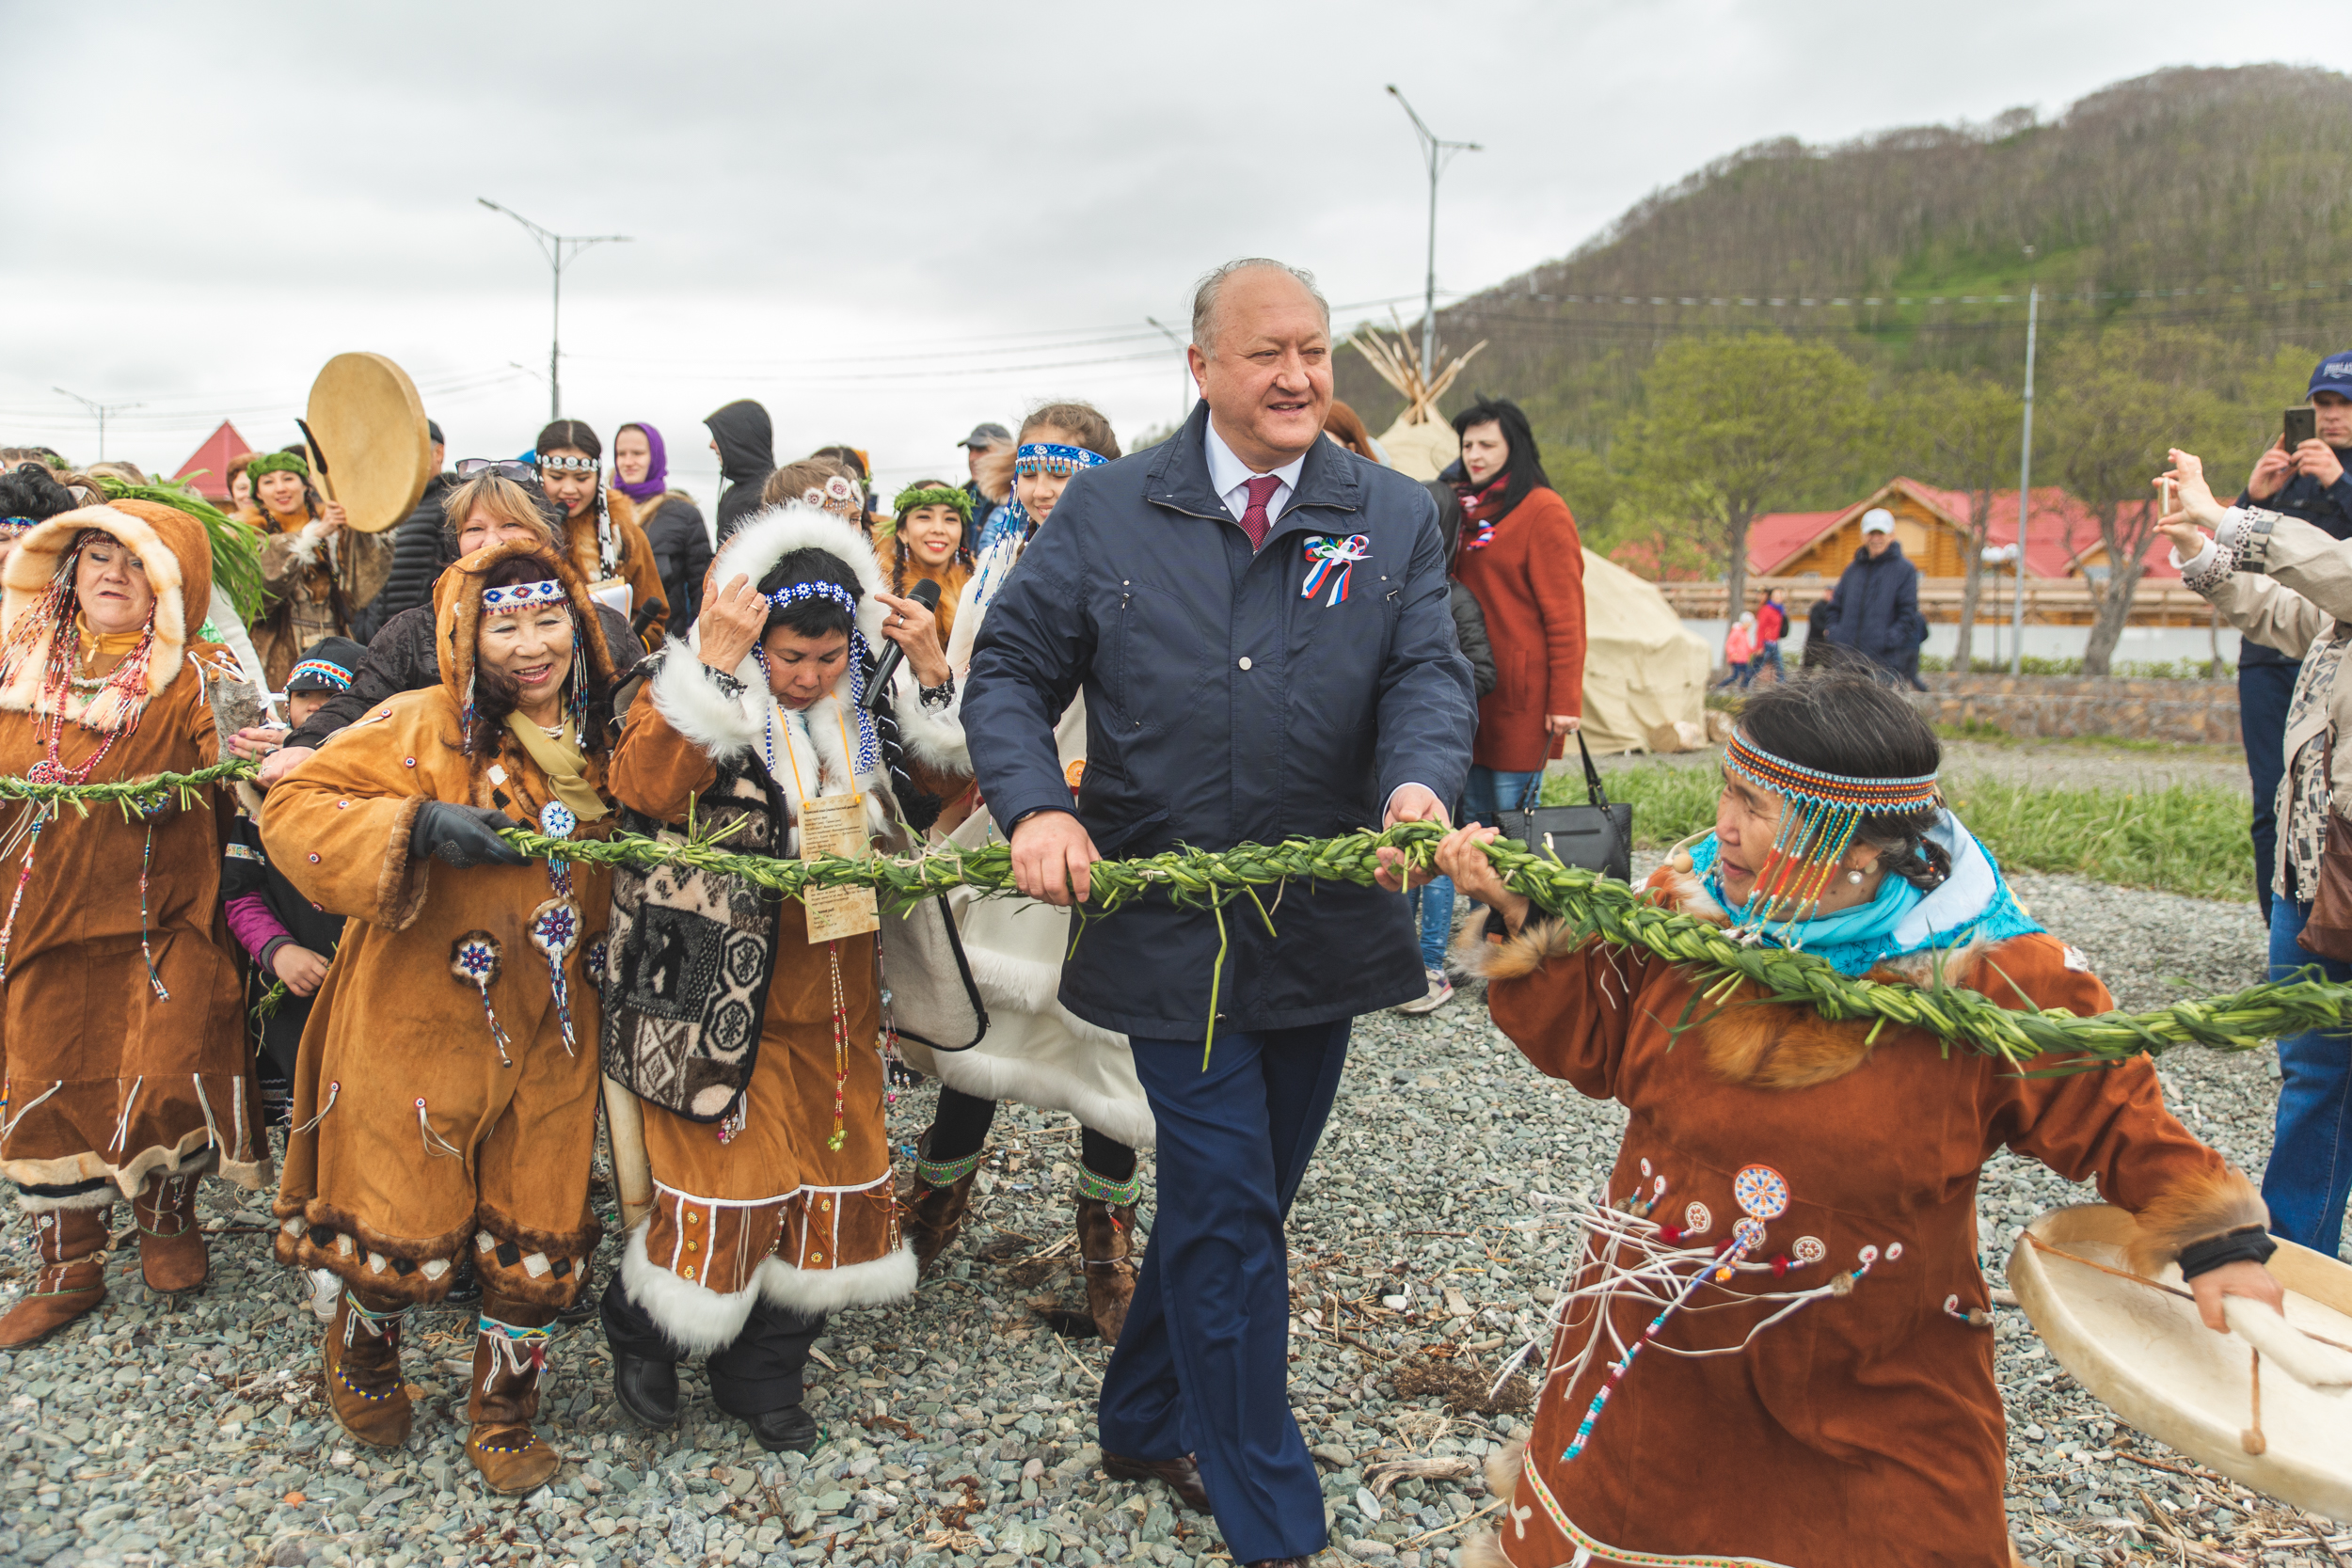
(71, 1244)
(172, 1256)
(933, 1209)
(364, 1387)
(509, 1354)
(1106, 1230)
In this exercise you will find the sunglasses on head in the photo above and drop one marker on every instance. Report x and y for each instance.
(568, 465)
(505, 467)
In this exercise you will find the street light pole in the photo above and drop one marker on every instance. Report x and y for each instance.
(1184, 367)
(1436, 153)
(2025, 487)
(552, 243)
(102, 410)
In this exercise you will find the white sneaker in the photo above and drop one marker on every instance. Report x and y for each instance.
(1440, 992)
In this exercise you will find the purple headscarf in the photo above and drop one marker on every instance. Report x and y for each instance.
(657, 478)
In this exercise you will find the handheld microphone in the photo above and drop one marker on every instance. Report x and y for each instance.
(926, 594)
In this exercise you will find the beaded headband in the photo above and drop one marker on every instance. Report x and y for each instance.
(793, 592)
(835, 493)
(524, 596)
(1048, 457)
(932, 495)
(332, 673)
(11, 528)
(1824, 811)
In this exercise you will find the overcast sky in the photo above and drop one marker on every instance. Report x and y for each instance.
(887, 222)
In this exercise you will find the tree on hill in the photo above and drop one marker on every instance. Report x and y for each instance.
(1737, 425)
(2115, 403)
(1962, 431)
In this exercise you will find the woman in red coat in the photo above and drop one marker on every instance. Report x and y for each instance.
(1520, 558)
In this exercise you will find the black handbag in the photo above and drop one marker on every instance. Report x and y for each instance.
(1598, 836)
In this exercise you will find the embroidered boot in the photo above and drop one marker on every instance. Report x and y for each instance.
(364, 1387)
(932, 1211)
(71, 1244)
(508, 1356)
(1107, 1228)
(172, 1256)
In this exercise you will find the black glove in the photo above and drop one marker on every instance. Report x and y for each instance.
(463, 835)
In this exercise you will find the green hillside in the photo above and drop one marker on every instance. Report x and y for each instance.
(2206, 201)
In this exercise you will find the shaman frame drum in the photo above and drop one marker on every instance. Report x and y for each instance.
(370, 440)
(2148, 1356)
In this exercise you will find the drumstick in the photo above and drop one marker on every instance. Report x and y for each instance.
(2040, 1245)
(327, 482)
(2251, 1439)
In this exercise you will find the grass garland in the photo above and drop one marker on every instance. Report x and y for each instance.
(1591, 905)
(133, 795)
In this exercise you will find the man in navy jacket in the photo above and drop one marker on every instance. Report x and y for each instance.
(1259, 621)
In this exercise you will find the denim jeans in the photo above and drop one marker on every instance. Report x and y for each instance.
(2311, 1153)
(2263, 694)
(1433, 902)
(1489, 792)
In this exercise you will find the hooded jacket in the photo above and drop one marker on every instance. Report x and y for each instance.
(120, 1067)
(1864, 1423)
(681, 552)
(416, 1140)
(747, 455)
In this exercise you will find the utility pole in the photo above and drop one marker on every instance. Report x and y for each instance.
(1183, 367)
(554, 244)
(2025, 488)
(102, 410)
(1436, 153)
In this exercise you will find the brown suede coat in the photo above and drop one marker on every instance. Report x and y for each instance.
(413, 1138)
(637, 566)
(1866, 1429)
(109, 1084)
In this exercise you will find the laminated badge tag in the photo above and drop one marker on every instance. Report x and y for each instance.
(836, 825)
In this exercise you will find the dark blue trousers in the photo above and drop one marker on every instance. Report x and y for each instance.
(1203, 1364)
(2264, 691)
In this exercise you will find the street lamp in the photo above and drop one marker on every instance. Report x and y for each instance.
(102, 410)
(554, 244)
(1437, 154)
(1184, 364)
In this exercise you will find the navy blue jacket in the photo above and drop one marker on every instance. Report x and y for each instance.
(2327, 507)
(1224, 707)
(1876, 609)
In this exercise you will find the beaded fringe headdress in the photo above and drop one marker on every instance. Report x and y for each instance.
(1816, 828)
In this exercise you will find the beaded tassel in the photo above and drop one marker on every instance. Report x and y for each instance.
(147, 853)
(840, 1052)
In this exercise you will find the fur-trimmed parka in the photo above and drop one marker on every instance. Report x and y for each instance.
(117, 1074)
(415, 1139)
(1864, 1428)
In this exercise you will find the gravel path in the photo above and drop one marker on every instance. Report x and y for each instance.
(962, 1428)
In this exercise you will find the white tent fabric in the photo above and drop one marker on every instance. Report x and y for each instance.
(1642, 668)
(1420, 449)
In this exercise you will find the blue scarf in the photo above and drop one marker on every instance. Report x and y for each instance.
(1974, 901)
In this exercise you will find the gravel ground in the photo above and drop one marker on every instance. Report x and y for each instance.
(960, 1428)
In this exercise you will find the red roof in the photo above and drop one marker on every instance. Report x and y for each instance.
(222, 450)
(2059, 529)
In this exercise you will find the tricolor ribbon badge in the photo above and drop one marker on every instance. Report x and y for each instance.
(1333, 560)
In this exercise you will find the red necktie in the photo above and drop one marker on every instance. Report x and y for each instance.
(1254, 521)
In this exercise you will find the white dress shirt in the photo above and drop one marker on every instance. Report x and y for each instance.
(1231, 476)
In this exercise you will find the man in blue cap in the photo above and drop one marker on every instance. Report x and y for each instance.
(2309, 482)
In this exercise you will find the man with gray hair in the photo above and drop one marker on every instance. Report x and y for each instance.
(1259, 621)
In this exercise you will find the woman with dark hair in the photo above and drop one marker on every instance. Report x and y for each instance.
(121, 1046)
(927, 542)
(1520, 556)
(1790, 1229)
(670, 520)
(316, 572)
(601, 539)
(444, 1098)
(1036, 1051)
(745, 1031)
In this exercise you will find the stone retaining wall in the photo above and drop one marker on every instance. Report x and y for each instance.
(2053, 707)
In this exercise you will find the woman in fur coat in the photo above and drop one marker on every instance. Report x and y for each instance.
(444, 1100)
(749, 1045)
(1819, 1391)
(316, 572)
(123, 1052)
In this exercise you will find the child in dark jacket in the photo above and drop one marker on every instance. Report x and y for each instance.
(292, 940)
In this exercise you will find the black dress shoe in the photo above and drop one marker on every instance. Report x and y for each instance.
(647, 1389)
(1180, 1474)
(791, 1430)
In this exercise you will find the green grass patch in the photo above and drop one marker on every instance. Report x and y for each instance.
(2190, 839)
(1984, 733)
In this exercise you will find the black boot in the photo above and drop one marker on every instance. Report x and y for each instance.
(790, 1429)
(644, 1378)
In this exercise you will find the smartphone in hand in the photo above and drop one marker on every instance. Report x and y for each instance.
(2302, 424)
